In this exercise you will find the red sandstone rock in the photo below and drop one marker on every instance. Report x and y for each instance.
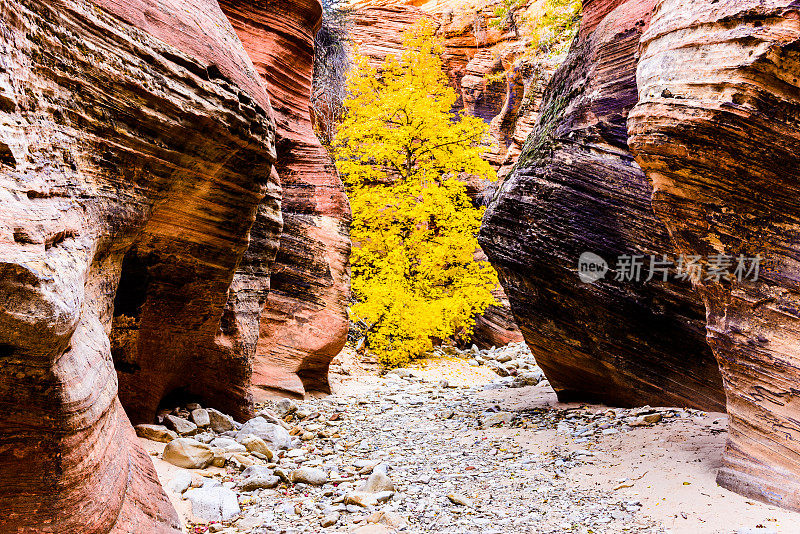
(576, 189)
(716, 130)
(136, 130)
(378, 26)
(304, 322)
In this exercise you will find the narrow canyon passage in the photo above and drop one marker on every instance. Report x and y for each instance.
(399, 266)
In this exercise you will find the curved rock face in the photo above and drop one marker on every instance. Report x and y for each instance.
(717, 129)
(136, 144)
(304, 323)
(577, 189)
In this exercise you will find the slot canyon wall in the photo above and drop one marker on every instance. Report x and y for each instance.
(304, 322)
(576, 188)
(717, 131)
(140, 219)
(694, 104)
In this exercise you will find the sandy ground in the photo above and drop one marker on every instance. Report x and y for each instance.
(672, 468)
(669, 468)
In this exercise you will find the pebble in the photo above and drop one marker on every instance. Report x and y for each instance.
(458, 498)
(330, 519)
(260, 482)
(274, 435)
(377, 482)
(309, 475)
(373, 529)
(255, 444)
(285, 407)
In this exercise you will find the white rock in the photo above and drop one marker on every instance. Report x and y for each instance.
(213, 504)
(180, 482)
(228, 445)
(200, 417)
(378, 481)
(275, 435)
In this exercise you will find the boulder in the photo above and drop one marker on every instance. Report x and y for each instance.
(219, 421)
(188, 453)
(155, 433)
(213, 503)
(275, 436)
(200, 417)
(180, 425)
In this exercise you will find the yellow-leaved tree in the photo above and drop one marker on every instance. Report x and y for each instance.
(401, 151)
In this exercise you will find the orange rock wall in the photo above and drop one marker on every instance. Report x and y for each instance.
(716, 130)
(304, 322)
(117, 134)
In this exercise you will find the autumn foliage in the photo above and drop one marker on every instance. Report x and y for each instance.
(401, 152)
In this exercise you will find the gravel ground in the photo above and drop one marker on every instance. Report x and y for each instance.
(410, 452)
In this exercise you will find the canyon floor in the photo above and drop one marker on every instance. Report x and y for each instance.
(466, 453)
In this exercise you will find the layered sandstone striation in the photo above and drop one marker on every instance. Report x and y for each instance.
(717, 130)
(378, 25)
(304, 322)
(137, 149)
(577, 189)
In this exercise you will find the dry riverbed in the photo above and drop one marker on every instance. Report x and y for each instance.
(411, 453)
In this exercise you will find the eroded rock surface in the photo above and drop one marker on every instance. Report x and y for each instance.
(577, 189)
(136, 143)
(717, 131)
(304, 322)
